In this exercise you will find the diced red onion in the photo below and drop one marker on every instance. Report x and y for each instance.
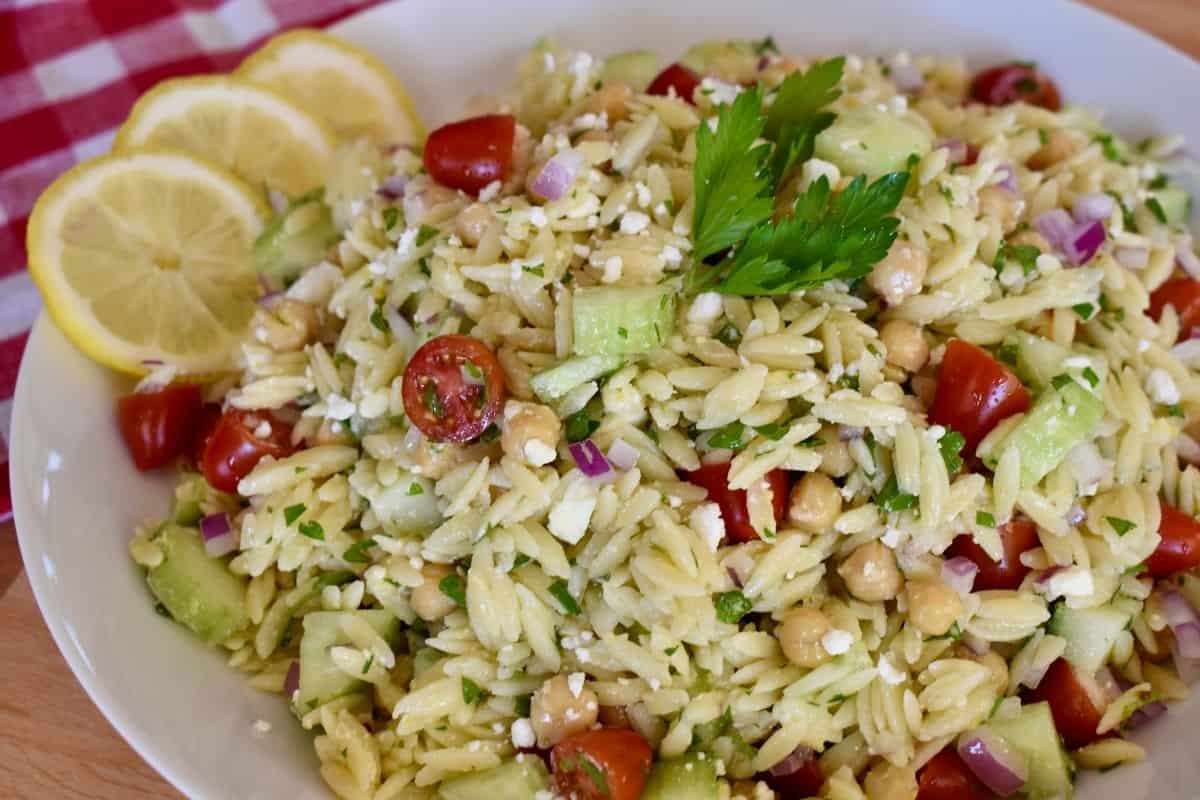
(1075, 515)
(278, 200)
(557, 175)
(794, 762)
(291, 684)
(848, 433)
(1132, 257)
(956, 149)
(1087, 240)
(1093, 207)
(959, 574)
(589, 459)
(739, 564)
(906, 76)
(1056, 225)
(733, 576)
(623, 455)
(269, 299)
(392, 187)
(996, 765)
(1184, 623)
(219, 539)
(1186, 257)
(1009, 181)
(1145, 714)
(1188, 669)
(1078, 242)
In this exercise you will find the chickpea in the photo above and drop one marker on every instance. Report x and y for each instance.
(800, 634)
(529, 433)
(886, 781)
(289, 325)
(610, 99)
(836, 460)
(901, 274)
(815, 503)
(428, 600)
(906, 347)
(871, 574)
(932, 606)
(998, 203)
(472, 222)
(328, 434)
(1060, 145)
(556, 712)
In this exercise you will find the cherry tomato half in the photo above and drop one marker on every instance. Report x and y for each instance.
(975, 392)
(1179, 544)
(946, 777)
(1076, 714)
(233, 448)
(206, 423)
(1183, 294)
(604, 764)
(732, 502)
(472, 153)
(1016, 537)
(678, 77)
(805, 781)
(157, 426)
(453, 388)
(1014, 83)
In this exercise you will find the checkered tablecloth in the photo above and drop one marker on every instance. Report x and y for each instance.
(69, 72)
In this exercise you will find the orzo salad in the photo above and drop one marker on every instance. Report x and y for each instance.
(760, 426)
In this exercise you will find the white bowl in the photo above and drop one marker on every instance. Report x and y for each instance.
(77, 495)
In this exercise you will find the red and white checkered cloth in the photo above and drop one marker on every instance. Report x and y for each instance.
(69, 72)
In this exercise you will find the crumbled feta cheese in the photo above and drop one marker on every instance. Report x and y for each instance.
(705, 308)
(816, 168)
(836, 641)
(575, 683)
(489, 192)
(582, 250)
(891, 537)
(654, 684)
(660, 209)
(538, 453)
(407, 242)
(707, 521)
(1071, 582)
(537, 217)
(375, 268)
(720, 92)
(1143, 345)
(1076, 362)
(671, 255)
(1161, 387)
(522, 734)
(338, 407)
(888, 671)
(898, 104)
(612, 269)
(570, 517)
(643, 194)
(634, 222)
(263, 430)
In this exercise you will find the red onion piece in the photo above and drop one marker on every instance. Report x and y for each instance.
(392, 187)
(733, 576)
(1056, 225)
(1184, 624)
(739, 564)
(906, 76)
(218, 535)
(623, 455)
(1078, 242)
(1075, 515)
(1085, 242)
(557, 175)
(1185, 256)
(291, 684)
(959, 574)
(1009, 181)
(956, 149)
(848, 433)
(1132, 257)
(1145, 714)
(995, 764)
(269, 299)
(589, 459)
(1188, 669)
(1093, 207)
(794, 762)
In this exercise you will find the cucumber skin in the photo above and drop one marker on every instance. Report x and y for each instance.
(1049, 431)
(513, 780)
(1032, 733)
(199, 590)
(689, 777)
(622, 320)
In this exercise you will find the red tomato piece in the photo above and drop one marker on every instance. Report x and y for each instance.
(678, 77)
(453, 388)
(471, 153)
(233, 448)
(206, 423)
(158, 425)
(975, 392)
(1015, 83)
(946, 777)
(804, 782)
(604, 764)
(1182, 294)
(1076, 714)
(732, 502)
(1179, 546)
(1016, 537)
(972, 155)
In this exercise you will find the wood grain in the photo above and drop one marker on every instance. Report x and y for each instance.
(53, 741)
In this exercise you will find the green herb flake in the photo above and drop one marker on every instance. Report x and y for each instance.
(357, 552)
(161, 610)
(1156, 209)
(729, 335)
(520, 561)
(622, 332)
(1121, 526)
(1091, 377)
(728, 437)
(1110, 148)
(1007, 353)
(580, 426)
(772, 430)
(985, 519)
(425, 233)
(521, 705)
(1160, 182)
(367, 666)
(432, 401)
(312, 529)
(414, 489)
(293, 513)
(1043, 136)
(732, 606)
(599, 782)
(471, 692)
(377, 320)
(1060, 382)
(766, 46)
(1175, 410)
(950, 445)
(453, 587)
(391, 215)
(536, 269)
(335, 578)
(558, 590)
(813, 441)
(1084, 310)
(890, 498)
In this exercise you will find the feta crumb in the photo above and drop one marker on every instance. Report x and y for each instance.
(1071, 582)
(582, 250)
(263, 430)
(489, 192)
(538, 453)
(338, 407)
(660, 209)
(836, 641)
(548, 61)
(898, 104)
(407, 242)
(643, 194)
(671, 256)
(612, 269)
(1143, 345)
(654, 684)
(720, 92)
(1161, 387)
(570, 517)
(634, 222)
(891, 537)
(705, 308)
(888, 671)
(575, 683)
(522, 734)
(707, 521)
(537, 217)
(375, 268)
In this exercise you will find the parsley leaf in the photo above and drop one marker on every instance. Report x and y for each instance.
(728, 437)
(292, 513)
(796, 116)
(1024, 254)
(580, 426)
(950, 445)
(471, 692)
(985, 518)
(732, 606)
(1156, 209)
(313, 530)
(452, 586)
(391, 216)
(425, 233)
(1084, 310)
(772, 430)
(357, 552)
(415, 489)
(1121, 526)
(890, 498)
(559, 592)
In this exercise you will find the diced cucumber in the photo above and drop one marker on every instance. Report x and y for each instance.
(1090, 634)
(189, 494)
(611, 320)
(320, 678)
(295, 240)
(520, 779)
(1032, 733)
(407, 507)
(1060, 419)
(557, 381)
(689, 777)
(1176, 204)
(732, 60)
(634, 68)
(867, 141)
(1038, 359)
(196, 588)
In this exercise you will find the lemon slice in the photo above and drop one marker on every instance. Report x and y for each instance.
(146, 256)
(348, 87)
(255, 131)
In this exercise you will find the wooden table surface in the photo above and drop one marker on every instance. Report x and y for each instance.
(53, 741)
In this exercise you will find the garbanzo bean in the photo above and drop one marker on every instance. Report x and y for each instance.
(428, 600)
(472, 222)
(815, 503)
(871, 574)
(932, 606)
(906, 347)
(799, 636)
(529, 432)
(836, 460)
(557, 711)
(901, 274)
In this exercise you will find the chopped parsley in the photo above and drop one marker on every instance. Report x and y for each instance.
(1091, 377)
(414, 489)
(161, 610)
(985, 518)
(453, 587)
(728, 437)
(367, 666)
(580, 426)
(391, 216)
(1084, 310)
(729, 335)
(521, 705)
(813, 441)
(1061, 381)
(732, 606)
(1110, 147)
(293, 513)
(471, 692)
(335, 578)
(432, 401)
(950, 445)
(1121, 526)
(520, 561)
(1024, 254)
(425, 233)
(1007, 353)
(772, 430)
(595, 774)
(1175, 410)
(1159, 182)
(558, 590)
(1156, 209)
(890, 498)
(357, 552)
(312, 529)
(377, 320)
(536, 269)
(622, 332)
